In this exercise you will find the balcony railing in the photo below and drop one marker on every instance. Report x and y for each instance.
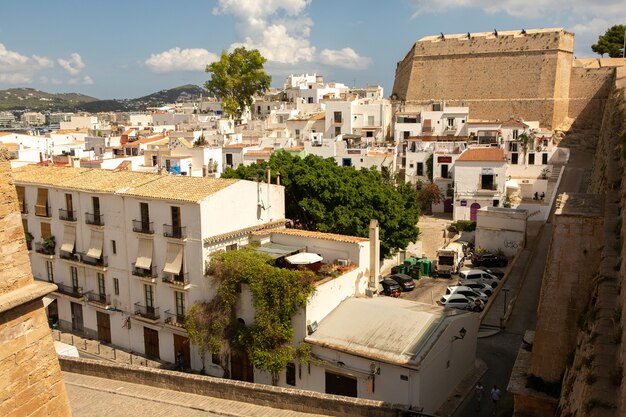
(42, 211)
(23, 207)
(145, 273)
(176, 279)
(140, 226)
(70, 256)
(151, 313)
(67, 215)
(177, 232)
(43, 249)
(97, 298)
(82, 257)
(76, 292)
(95, 219)
(488, 187)
(174, 319)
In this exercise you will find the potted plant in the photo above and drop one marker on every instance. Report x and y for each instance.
(29, 239)
(49, 243)
(544, 173)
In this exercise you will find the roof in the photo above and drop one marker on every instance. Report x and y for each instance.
(383, 328)
(482, 154)
(275, 250)
(514, 123)
(131, 183)
(317, 235)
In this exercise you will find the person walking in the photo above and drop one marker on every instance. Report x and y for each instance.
(479, 390)
(495, 397)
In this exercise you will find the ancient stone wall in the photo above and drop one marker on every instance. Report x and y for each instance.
(589, 90)
(30, 378)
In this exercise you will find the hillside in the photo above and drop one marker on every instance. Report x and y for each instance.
(35, 100)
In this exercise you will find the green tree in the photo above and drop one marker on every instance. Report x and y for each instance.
(322, 196)
(236, 78)
(611, 43)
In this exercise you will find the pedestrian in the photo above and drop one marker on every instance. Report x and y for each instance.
(536, 196)
(495, 397)
(479, 390)
(543, 195)
(179, 361)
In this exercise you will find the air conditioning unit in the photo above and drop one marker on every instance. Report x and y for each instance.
(312, 327)
(342, 262)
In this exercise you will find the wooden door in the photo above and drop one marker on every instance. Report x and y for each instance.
(341, 385)
(104, 326)
(77, 317)
(240, 367)
(151, 342)
(474, 211)
(181, 344)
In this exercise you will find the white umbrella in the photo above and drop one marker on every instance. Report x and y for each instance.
(303, 258)
(512, 184)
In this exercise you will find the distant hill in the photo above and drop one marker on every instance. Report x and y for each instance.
(35, 100)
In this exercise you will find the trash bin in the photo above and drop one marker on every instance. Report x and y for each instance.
(426, 267)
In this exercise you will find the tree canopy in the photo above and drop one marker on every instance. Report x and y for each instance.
(611, 43)
(322, 196)
(236, 78)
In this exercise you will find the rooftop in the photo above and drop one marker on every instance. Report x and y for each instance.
(318, 235)
(483, 154)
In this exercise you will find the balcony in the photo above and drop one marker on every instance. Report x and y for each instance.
(179, 280)
(23, 207)
(94, 219)
(488, 188)
(42, 211)
(74, 292)
(100, 300)
(148, 313)
(67, 215)
(140, 226)
(42, 248)
(176, 232)
(84, 259)
(150, 274)
(173, 319)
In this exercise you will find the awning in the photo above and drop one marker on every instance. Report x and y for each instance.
(46, 230)
(144, 254)
(95, 244)
(304, 258)
(276, 250)
(20, 194)
(173, 258)
(47, 301)
(69, 237)
(512, 184)
(42, 202)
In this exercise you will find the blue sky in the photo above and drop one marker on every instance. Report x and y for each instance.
(126, 49)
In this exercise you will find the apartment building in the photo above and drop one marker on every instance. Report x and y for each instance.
(128, 249)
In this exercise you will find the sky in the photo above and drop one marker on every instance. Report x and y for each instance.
(131, 48)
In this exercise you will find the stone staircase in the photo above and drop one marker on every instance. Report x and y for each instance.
(552, 182)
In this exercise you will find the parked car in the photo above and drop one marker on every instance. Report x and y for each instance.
(461, 302)
(404, 281)
(494, 272)
(390, 287)
(488, 259)
(479, 286)
(478, 275)
(468, 292)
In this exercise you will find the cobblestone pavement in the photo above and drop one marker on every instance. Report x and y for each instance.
(99, 397)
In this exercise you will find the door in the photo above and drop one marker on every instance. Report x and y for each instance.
(340, 384)
(181, 344)
(514, 159)
(151, 342)
(240, 366)
(77, 316)
(544, 159)
(447, 205)
(104, 326)
(473, 209)
(444, 171)
(531, 159)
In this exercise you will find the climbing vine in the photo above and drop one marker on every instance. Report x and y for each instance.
(277, 295)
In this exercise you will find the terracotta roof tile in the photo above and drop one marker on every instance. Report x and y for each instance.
(317, 235)
(482, 154)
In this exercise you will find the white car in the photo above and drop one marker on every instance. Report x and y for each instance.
(461, 302)
(478, 275)
(468, 292)
(478, 286)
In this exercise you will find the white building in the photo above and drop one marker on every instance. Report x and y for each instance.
(33, 119)
(479, 181)
(364, 117)
(501, 230)
(131, 247)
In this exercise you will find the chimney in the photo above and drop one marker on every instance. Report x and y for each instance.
(372, 285)
(277, 177)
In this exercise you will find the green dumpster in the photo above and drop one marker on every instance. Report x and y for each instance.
(426, 267)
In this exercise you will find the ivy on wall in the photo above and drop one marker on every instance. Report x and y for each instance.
(277, 295)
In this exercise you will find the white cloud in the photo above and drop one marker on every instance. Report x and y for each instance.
(176, 59)
(344, 58)
(74, 65)
(87, 80)
(16, 68)
(280, 30)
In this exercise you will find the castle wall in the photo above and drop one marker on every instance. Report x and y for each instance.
(589, 89)
(30, 378)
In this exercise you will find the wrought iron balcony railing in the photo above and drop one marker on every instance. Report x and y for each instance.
(67, 215)
(95, 219)
(177, 232)
(151, 313)
(139, 226)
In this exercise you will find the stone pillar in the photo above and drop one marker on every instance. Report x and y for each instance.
(30, 377)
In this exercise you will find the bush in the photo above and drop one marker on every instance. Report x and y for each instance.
(464, 225)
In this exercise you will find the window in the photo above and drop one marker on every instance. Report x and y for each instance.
(420, 168)
(337, 130)
(514, 158)
(50, 271)
(74, 277)
(370, 120)
(310, 100)
(148, 291)
(116, 286)
(145, 213)
(21, 191)
(444, 170)
(369, 134)
(450, 122)
(69, 204)
(496, 203)
(101, 286)
(180, 303)
(229, 159)
(411, 165)
(544, 159)
(346, 162)
(486, 182)
(337, 117)
(406, 134)
(512, 146)
(515, 134)
(95, 201)
(113, 247)
(46, 231)
(297, 133)
(231, 247)
(290, 374)
(41, 208)
(531, 159)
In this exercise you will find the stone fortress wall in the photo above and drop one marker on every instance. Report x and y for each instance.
(531, 74)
